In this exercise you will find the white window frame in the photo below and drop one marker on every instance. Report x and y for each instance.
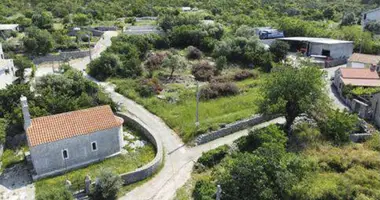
(67, 152)
(96, 145)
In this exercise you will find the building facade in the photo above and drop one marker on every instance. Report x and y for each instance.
(371, 15)
(358, 60)
(67, 141)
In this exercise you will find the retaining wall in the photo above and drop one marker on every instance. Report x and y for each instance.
(150, 168)
(234, 127)
(70, 55)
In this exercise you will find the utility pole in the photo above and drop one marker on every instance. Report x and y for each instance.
(197, 107)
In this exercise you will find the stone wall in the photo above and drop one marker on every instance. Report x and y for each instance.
(152, 167)
(70, 55)
(234, 127)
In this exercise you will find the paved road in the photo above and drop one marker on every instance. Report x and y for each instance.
(179, 159)
(81, 63)
(337, 102)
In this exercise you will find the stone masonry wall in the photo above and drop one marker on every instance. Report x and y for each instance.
(234, 127)
(70, 55)
(150, 168)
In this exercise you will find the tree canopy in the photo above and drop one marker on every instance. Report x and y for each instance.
(292, 90)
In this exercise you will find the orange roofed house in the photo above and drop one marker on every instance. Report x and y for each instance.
(359, 77)
(71, 140)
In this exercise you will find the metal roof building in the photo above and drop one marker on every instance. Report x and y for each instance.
(321, 47)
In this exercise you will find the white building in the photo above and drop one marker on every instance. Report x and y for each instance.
(358, 60)
(371, 15)
(321, 47)
(7, 70)
(9, 27)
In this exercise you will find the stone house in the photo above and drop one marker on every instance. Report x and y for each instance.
(359, 77)
(71, 140)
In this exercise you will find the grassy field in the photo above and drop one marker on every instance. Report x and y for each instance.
(180, 116)
(119, 165)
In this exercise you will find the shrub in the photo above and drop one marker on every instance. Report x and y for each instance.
(374, 142)
(204, 190)
(193, 53)
(279, 50)
(10, 158)
(107, 186)
(337, 126)
(154, 62)
(215, 90)
(304, 134)
(3, 130)
(256, 138)
(244, 74)
(221, 63)
(149, 87)
(203, 71)
(213, 157)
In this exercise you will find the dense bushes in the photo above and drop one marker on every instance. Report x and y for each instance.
(258, 137)
(213, 157)
(215, 90)
(244, 74)
(204, 190)
(193, 53)
(106, 187)
(149, 87)
(338, 125)
(203, 71)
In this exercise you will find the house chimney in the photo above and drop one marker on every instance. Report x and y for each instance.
(25, 112)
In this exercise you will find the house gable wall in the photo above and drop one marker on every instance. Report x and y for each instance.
(48, 157)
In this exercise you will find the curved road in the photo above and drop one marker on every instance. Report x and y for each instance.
(179, 159)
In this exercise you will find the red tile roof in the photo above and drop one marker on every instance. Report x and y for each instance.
(362, 82)
(364, 58)
(66, 125)
(355, 73)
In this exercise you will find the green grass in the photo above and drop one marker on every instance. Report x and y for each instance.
(180, 116)
(119, 164)
(10, 157)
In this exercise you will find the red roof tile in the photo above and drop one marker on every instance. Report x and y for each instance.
(362, 82)
(355, 73)
(66, 125)
(364, 58)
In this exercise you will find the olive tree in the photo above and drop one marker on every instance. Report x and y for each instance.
(292, 91)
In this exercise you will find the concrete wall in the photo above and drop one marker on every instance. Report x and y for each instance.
(372, 16)
(375, 106)
(337, 51)
(234, 127)
(48, 160)
(153, 166)
(60, 57)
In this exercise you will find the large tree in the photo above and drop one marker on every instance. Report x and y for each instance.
(292, 91)
(38, 41)
(279, 50)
